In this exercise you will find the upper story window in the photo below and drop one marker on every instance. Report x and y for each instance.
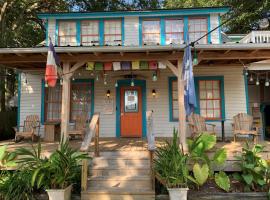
(112, 32)
(151, 31)
(90, 33)
(67, 33)
(174, 30)
(197, 27)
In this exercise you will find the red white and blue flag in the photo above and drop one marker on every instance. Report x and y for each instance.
(51, 66)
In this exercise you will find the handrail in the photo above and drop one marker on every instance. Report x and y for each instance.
(257, 37)
(93, 130)
(151, 144)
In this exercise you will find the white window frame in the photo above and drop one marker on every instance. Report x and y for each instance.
(69, 38)
(169, 33)
(112, 34)
(90, 33)
(144, 33)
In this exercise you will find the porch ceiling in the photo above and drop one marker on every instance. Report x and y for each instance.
(208, 55)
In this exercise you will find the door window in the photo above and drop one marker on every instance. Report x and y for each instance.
(131, 101)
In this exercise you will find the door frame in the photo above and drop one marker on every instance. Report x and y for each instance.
(127, 82)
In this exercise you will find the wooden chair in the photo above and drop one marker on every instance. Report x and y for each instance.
(198, 125)
(79, 126)
(30, 127)
(243, 125)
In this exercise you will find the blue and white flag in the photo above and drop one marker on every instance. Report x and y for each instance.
(189, 90)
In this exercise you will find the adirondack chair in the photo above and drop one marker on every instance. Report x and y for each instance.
(198, 125)
(79, 126)
(243, 125)
(30, 127)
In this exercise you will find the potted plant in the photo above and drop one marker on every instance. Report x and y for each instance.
(56, 174)
(170, 165)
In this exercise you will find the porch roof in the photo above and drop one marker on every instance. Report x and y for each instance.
(208, 54)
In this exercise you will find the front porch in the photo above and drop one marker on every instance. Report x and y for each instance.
(139, 145)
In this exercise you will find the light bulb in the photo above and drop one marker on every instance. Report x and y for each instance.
(132, 83)
(97, 78)
(61, 81)
(46, 84)
(251, 79)
(257, 82)
(267, 83)
(116, 84)
(246, 72)
(154, 77)
(105, 82)
(73, 78)
(195, 61)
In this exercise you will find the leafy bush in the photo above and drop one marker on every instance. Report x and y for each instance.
(203, 164)
(170, 164)
(7, 159)
(254, 170)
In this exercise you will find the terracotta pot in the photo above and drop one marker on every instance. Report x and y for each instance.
(178, 193)
(60, 194)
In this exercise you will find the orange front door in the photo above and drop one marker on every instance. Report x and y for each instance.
(131, 111)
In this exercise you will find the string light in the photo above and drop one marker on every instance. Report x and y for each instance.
(132, 83)
(116, 84)
(73, 78)
(195, 58)
(61, 81)
(154, 77)
(46, 84)
(251, 78)
(266, 80)
(257, 80)
(97, 77)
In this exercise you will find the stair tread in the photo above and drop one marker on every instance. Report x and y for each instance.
(119, 191)
(128, 178)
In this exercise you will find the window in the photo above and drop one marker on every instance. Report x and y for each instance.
(174, 30)
(197, 27)
(112, 32)
(90, 33)
(53, 101)
(151, 32)
(80, 100)
(67, 33)
(210, 99)
(209, 93)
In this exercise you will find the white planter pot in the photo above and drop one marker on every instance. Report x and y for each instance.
(60, 194)
(178, 193)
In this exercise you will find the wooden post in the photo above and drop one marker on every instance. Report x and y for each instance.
(84, 175)
(181, 105)
(97, 140)
(65, 101)
(152, 152)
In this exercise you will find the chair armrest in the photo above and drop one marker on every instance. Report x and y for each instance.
(213, 125)
(15, 128)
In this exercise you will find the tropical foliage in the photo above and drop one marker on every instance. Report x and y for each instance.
(7, 159)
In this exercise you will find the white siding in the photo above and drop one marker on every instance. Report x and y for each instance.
(51, 30)
(131, 31)
(235, 99)
(30, 102)
(214, 22)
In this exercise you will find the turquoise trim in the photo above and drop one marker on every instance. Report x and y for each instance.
(246, 91)
(219, 30)
(185, 27)
(197, 110)
(222, 94)
(19, 100)
(187, 11)
(123, 30)
(170, 80)
(140, 31)
(46, 33)
(56, 32)
(209, 29)
(42, 113)
(78, 32)
(141, 83)
(162, 31)
(101, 32)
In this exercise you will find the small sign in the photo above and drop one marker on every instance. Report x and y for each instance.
(108, 106)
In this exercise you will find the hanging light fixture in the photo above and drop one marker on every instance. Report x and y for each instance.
(73, 78)
(108, 94)
(61, 81)
(246, 72)
(154, 93)
(116, 84)
(251, 78)
(154, 77)
(195, 57)
(97, 77)
(257, 80)
(132, 82)
(266, 80)
(105, 79)
(46, 84)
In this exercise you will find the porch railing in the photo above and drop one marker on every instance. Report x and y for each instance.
(151, 144)
(93, 131)
(257, 37)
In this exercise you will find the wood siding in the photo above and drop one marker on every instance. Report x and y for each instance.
(51, 30)
(131, 28)
(214, 22)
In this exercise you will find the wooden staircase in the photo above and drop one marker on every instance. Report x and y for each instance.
(120, 175)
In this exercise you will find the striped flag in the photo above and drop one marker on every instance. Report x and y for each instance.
(51, 66)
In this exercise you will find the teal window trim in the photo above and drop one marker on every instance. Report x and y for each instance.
(140, 31)
(209, 29)
(78, 32)
(197, 110)
(141, 83)
(185, 27)
(101, 32)
(162, 31)
(165, 12)
(56, 32)
(19, 100)
(170, 81)
(246, 92)
(123, 30)
(91, 81)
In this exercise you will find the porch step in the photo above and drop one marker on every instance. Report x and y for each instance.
(120, 175)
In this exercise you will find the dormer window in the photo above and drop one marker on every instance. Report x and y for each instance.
(90, 33)
(112, 32)
(197, 27)
(174, 30)
(151, 32)
(67, 33)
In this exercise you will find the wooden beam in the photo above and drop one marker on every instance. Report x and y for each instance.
(76, 66)
(70, 54)
(171, 67)
(20, 55)
(227, 51)
(181, 106)
(201, 51)
(97, 53)
(65, 112)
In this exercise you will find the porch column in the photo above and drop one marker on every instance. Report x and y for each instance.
(65, 100)
(181, 106)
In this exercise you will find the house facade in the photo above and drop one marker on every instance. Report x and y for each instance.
(123, 64)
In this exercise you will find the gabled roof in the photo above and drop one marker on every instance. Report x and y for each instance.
(138, 13)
